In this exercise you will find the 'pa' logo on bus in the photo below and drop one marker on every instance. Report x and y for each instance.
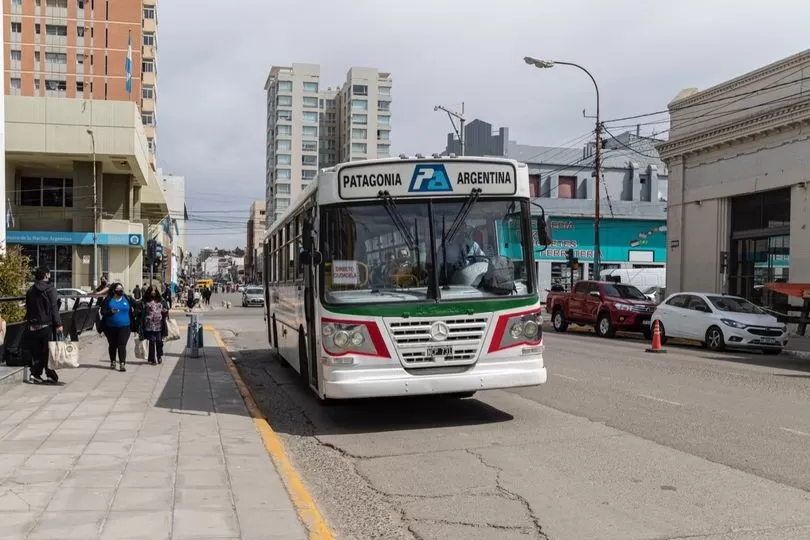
(430, 178)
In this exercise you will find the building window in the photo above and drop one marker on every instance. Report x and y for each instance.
(310, 87)
(148, 13)
(59, 259)
(383, 150)
(16, 27)
(283, 145)
(148, 92)
(310, 117)
(384, 106)
(284, 130)
(56, 58)
(282, 204)
(283, 189)
(79, 31)
(385, 91)
(148, 66)
(16, 2)
(16, 56)
(311, 102)
(309, 131)
(55, 87)
(79, 59)
(359, 148)
(148, 118)
(283, 159)
(56, 4)
(567, 187)
(80, 4)
(79, 87)
(361, 119)
(359, 133)
(55, 30)
(308, 174)
(309, 146)
(359, 90)
(285, 86)
(49, 192)
(16, 86)
(149, 39)
(284, 116)
(383, 135)
(150, 142)
(383, 120)
(283, 174)
(359, 105)
(308, 159)
(284, 101)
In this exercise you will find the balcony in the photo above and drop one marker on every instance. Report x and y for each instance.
(149, 78)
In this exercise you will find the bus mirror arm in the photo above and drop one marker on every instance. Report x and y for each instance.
(543, 226)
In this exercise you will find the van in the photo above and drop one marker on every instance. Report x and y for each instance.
(641, 278)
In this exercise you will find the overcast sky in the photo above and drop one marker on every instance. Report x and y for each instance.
(214, 57)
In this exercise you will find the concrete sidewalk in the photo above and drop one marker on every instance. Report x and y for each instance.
(158, 452)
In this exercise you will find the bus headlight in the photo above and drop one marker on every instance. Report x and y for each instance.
(328, 330)
(517, 329)
(357, 339)
(341, 338)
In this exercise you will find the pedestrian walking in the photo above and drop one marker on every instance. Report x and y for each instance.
(42, 323)
(152, 325)
(137, 293)
(118, 311)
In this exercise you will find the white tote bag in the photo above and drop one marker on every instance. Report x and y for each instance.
(140, 349)
(63, 354)
(172, 330)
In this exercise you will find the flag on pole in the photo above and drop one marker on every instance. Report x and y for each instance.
(128, 64)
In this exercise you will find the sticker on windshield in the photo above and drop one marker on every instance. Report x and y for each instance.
(345, 273)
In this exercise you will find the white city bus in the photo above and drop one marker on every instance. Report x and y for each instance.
(408, 276)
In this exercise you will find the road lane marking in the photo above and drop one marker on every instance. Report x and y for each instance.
(661, 400)
(795, 431)
(567, 377)
(302, 500)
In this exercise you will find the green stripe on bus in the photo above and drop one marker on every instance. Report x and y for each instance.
(434, 310)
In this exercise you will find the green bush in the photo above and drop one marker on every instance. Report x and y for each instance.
(14, 276)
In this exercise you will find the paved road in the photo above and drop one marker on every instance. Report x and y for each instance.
(618, 444)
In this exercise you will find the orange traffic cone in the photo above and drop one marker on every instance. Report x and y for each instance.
(656, 340)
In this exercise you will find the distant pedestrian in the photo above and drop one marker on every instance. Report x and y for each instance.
(190, 299)
(152, 324)
(136, 292)
(118, 312)
(42, 323)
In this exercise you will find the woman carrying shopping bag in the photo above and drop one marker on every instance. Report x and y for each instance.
(118, 312)
(152, 324)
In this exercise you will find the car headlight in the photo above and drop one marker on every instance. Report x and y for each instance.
(734, 324)
(623, 307)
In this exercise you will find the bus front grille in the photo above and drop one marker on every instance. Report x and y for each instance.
(418, 348)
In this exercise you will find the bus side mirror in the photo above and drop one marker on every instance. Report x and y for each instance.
(312, 258)
(543, 230)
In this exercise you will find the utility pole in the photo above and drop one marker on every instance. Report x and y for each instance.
(95, 212)
(462, 120)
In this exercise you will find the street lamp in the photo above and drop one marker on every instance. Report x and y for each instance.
(545, 64)
(461, 119)
(95, 209)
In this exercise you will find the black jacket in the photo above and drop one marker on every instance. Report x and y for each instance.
(42, 304)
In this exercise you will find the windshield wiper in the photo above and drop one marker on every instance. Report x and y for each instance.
(463, 212)
(393, 212)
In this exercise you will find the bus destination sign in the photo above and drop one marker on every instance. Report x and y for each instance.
(426, 179)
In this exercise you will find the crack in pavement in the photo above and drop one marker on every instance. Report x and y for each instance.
(538, 528)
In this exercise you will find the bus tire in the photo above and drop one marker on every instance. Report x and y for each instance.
(303, 362)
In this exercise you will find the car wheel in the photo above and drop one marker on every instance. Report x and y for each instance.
(604, 326)
(775, 351)
(558, 321)
(663, 334)
(714, 339)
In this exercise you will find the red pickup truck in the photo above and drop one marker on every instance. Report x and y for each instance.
(605, 305)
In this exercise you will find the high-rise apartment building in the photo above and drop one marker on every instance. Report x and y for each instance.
(78, 49)
(309, 128)
(254, 256)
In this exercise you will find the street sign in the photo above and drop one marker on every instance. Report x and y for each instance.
(85, 259)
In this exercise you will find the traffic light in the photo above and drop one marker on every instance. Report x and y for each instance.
(151, 250)
(571, 261)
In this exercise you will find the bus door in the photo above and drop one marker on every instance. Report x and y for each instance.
(310, 293)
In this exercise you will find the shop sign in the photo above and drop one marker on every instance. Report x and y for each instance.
(59, 238)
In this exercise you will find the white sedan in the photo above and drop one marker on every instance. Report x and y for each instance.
(69, 297)
(719, 321)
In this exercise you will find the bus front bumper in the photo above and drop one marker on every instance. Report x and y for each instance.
(350, 383)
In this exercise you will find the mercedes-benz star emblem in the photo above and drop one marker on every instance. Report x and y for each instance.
(439, 331)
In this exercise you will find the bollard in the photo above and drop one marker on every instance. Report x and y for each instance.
(194, 336)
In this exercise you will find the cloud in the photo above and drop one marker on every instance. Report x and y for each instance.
(214, 58)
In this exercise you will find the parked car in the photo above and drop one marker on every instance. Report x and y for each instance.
(719, 321)
(69, 297)
(252, 296)
(609, 307)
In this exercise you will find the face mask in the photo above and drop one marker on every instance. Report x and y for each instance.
(119, 293)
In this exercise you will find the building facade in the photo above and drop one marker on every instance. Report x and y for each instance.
(739, 177)
(78, 49)
(479, 140)
(174, 226)
(78, 170)
(255, 236)
(309, 128)
(633, 227)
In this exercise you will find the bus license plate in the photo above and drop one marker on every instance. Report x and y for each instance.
(439, 351)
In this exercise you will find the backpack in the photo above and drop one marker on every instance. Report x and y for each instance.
(500, 276)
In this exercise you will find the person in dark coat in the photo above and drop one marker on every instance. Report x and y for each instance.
(42, 324)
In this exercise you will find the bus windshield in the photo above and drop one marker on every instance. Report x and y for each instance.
(373, 256)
